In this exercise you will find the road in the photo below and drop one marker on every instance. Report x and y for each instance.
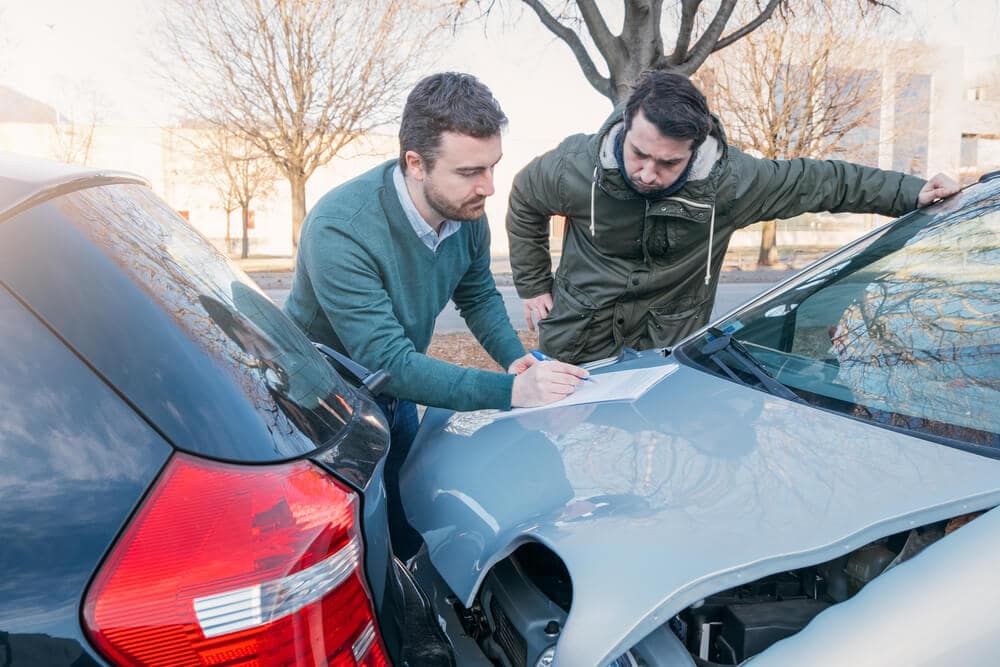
(730, 295)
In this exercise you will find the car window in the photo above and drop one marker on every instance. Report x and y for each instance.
(216, 304)
(902, 330)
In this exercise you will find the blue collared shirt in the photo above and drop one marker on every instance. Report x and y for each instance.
(432, 239)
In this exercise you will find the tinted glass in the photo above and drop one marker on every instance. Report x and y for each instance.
(194, 282)
(186, 337)
(902, 330)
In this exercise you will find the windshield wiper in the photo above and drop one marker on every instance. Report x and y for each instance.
(724, 341)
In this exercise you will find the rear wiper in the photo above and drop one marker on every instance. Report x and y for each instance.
(723, 341)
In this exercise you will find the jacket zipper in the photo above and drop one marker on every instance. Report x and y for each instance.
(645, 241)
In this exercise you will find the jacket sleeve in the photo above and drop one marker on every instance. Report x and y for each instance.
(482, 307)
(534, 198)
(350, 291)
(777, 189)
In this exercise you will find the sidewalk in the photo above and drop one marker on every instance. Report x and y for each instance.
(276, 272)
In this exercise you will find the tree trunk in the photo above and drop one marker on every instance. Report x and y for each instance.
(229, 239)
(297, 182)
(768, 244)
(245, 212)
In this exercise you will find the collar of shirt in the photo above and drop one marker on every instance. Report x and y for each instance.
(424, 232)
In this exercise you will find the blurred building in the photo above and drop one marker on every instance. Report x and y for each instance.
(174, 160)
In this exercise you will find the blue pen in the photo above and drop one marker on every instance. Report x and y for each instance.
(541, 356)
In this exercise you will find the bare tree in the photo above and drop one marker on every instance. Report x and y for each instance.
(242, 173)
(297, 79)
(72, 141)
(78, 113)
(250, 175)
(237, 170)
(810, 88)
(227, 202)
(697, 29)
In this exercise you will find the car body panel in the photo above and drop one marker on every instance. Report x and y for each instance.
(74, 462)
(953, 585)
(698, 486)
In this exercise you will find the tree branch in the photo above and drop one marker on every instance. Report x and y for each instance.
(764, 15)
(605, 40)
(706, 42)
(689, 10)
(600, 83)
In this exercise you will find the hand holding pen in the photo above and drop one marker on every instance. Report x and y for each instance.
(541, 356)
(542, 383)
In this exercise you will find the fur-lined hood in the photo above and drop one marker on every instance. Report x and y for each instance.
(711, 152)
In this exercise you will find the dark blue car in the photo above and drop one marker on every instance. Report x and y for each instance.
(184, 478)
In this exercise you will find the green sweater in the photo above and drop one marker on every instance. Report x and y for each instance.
(367, 286)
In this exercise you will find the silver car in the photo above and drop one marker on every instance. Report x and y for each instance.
(811, 480)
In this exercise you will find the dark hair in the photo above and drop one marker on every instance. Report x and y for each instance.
(447, 102)
(672, 103)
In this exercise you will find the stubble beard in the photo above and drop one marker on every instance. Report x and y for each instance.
(467, 211)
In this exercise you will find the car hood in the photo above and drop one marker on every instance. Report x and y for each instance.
(696, 487)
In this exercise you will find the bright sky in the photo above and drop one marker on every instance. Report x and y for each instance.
(56, 50)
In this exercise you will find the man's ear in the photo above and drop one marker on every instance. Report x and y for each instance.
(415, 165)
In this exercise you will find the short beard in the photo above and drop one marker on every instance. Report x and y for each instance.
(460, 213)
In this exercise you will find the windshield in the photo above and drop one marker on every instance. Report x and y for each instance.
(264, 354)
(902, 329)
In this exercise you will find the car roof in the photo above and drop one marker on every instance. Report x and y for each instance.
(26, 181)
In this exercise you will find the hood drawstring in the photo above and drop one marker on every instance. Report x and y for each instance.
(593, 188)
(711, 237)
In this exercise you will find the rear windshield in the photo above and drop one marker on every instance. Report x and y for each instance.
(902, 330)
(218, 306)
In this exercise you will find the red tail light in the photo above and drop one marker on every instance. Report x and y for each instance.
(238, 566)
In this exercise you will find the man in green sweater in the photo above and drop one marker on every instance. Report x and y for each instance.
(651, 201)
(381, 255)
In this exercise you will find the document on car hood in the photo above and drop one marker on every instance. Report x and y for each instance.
(615, 386)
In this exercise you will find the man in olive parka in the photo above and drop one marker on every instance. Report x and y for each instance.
(650, 203)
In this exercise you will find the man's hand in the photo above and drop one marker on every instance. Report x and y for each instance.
(545, 382)
(939, 187)
(522, 364)
(537, 308)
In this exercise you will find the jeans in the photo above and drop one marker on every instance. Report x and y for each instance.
(403, 423)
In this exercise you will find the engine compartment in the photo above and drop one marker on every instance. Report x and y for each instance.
(734, 625)
(525, 600)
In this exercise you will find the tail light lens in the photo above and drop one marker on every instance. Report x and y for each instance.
(238, 566)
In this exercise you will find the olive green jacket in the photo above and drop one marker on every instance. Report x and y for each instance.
(642, 273)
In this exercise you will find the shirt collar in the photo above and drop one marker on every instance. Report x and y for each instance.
(424, 231)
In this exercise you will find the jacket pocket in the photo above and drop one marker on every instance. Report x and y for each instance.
(562, 334)
(668, 323)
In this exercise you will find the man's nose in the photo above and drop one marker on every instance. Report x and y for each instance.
(647, 173)
(485, 186)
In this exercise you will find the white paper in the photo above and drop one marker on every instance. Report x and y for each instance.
(615, 386)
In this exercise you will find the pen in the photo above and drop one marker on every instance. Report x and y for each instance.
(541, 356)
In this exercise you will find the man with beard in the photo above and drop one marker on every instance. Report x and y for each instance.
(381, 255)
(651, 201)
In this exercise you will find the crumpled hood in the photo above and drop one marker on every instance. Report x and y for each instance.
(697, 486)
